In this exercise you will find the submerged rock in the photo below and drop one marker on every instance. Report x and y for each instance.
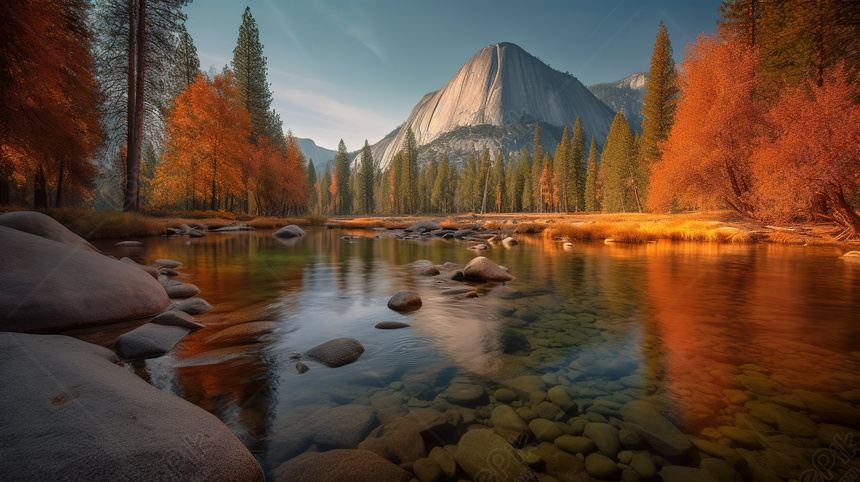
(337, 352)
(482, 269)
(291, 231)
(405, 301)
(340, 465)
(242, 334)
(466, 394)
(483, 455)
(301, 367)
(655, 428)
(140, 432)
(50, 286)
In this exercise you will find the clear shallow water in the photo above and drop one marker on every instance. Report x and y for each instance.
(717, 335)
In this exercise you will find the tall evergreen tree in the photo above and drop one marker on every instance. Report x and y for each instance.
(429, 183)
(186, 63)
(409, 184)
(618, 161)
(661, 95)
(561, 172)
(499, 184)
(250, 74)
(524, 179)
(484, 181)
(312, 189)
(592, 196)
(340, 185)
(513, 192)
(576, 185)
(366, 176)
(442, 194)
(537, 171)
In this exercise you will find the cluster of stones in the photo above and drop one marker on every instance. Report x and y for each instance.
(200, 230)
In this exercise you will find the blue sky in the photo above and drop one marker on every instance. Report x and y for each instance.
(354, 70)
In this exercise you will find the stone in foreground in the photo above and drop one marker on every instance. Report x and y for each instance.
(44, 226)
(75, 415)
(337, 352)
(291, 231)
(340, 466)
(482, 269)
(405, 301)
(149, 340)
(51, 286)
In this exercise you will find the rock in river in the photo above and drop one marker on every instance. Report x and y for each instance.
(177, 318)
(483, 455)
(52, 286)
(149, 340)
(337, 352)
(291, 231)
(391, 325)
(182, 290)
(75, 415)
(655, 428)
(193, 306)
(340, 466)
(405, 301)
(482, 269)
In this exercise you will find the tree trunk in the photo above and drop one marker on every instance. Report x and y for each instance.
(40, 192)
(843, 213)
(130, 103)
(59, 201)
(135, 103)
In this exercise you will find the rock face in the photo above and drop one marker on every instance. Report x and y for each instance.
(337, 352)
(494, 101)
(482, 269)
(340, 466)
(76, 415)
(405, 301)
(291, 231)
(52, 286)
(44, 226)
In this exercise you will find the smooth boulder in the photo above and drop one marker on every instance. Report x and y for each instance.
(76, 415)
(146, 269)
(336, 353)
(291, 231)
(53, 286)
(391, 325)
(340, 466)
(176, 318)
(182, 290)
(405, 301)
(482, 269)
(193, 306)
(149, 340)
(44, 226)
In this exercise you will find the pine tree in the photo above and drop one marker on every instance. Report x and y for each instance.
(340, 185)
(366, 176)
(524, 179)
(537, 171)
(186, 63)
(484, 180)
(499, 184)
(250, 71)
(395, 182)
(325, 197)
(561, 173)
(429, 183)
(409, 184)
(592, 195)
(617, 161)
(440, 198)
(513, 191)
(312, 188)
(661, 95)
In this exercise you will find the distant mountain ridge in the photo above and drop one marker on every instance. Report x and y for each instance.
(625, 95)
(311, 150)
(494, 101)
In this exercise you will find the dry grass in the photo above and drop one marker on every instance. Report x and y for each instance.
(785, 237)
(527, 228)
(115, 224)
(642, 232)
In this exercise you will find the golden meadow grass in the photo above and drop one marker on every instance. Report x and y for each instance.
(642, 232)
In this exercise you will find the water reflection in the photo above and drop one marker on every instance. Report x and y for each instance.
(703, 329)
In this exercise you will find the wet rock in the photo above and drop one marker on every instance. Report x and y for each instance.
(149, 340)
(509, 242)
(242, 334)
(50, 286)
(462, 233)
(182, 290)
(444, 457)
(336, 353)
(559, 396)
(458, 276)
(391, 325)
(301, 368)
(44, 226)
(193, 306)
(505, 395)
(719, 469)
(508, 425)
(526, 414)
(721, 451)
(526, 383)
(560, 464)
(177, 318)
(465, 394)
(483, 455)
(762, 386)
(167, 263)
(600, 466)
(422, 226)
(644, 466)
(482, 269)
(549, 411)
(340, 465)
(605, 437)
(677, 473)
(427, 470)
(233, 227)
(575, 445)
(291, 231)
(405, 301)
(430, 271)
(401, 439)
(740, 436)
(478, 247)
(147, 269)
(71, 430)
(168, 272)
(830, 409)
(629, 438)
(655, 428)
(545, 430)
(129, 244)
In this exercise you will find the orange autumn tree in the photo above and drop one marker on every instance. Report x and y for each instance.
(813, 154)
(706, 159)
(208, 142)
(281, 188)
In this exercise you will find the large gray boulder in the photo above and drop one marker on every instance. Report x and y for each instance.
(340, 466)
(482, 269)
(291, 231)
(149, 340)
(44, 226)
(50, 286)
(75, 415)
(336, 353)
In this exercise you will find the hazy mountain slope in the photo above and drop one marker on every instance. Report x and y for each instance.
(625, 95)
(311, 150)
